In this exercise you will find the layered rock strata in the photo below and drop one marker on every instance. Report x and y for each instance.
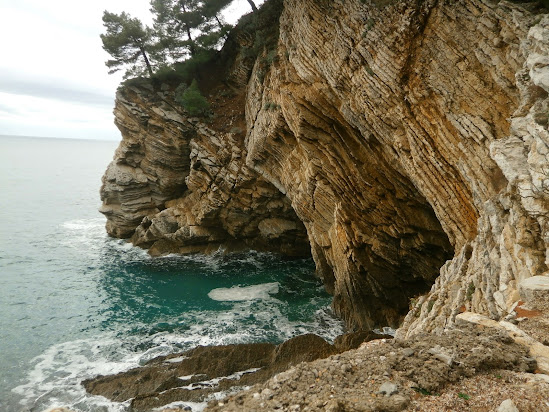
(177, 186)
(404, 141)
(387, 111)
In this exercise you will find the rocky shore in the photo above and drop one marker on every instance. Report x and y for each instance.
(478, 365)
(405, 147)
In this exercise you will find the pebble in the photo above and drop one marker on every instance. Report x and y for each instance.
(267, 394)
(408, 352)
(507, 406)
(388, 388)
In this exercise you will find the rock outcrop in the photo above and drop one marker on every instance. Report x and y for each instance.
(405, 144)
(196, 375)
(177, 186)
(389, 375)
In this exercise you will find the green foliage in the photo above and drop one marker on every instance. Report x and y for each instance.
(190, 68)
(186, 27)
(464, 396)
(167, 74)
(369, 24)
(470, 291)
(421, 391)
(264, 28)
(413, 303)
(271, 106)
(128, 42)
(185, 36)
(191, 99)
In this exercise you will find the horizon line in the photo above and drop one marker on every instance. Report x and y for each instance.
(58, 137)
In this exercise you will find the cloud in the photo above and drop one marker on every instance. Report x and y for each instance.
(37, 116)
(8, 109)
(53, 80)
(47, 88)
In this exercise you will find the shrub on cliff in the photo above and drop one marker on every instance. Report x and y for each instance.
(191, 99)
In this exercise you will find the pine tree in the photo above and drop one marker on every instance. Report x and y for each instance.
(128, 42)
(174, 22)
(213, 28)
(186, 27)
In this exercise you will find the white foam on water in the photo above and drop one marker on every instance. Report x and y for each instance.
(84, 231)
(177, 360)
(90, 237)
(85, 224)
(213, 383)
(200, 406)
(186, 377)
(195, 406)
(55, 380)
(56, 377)
(243, 293)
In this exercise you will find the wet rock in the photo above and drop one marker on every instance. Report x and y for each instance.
(186, 377)
(353, 340)
(303, 348)
(194, 375)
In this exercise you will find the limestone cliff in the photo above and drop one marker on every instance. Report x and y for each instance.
(404, 143)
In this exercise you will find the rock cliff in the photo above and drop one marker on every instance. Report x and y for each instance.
(405, 144)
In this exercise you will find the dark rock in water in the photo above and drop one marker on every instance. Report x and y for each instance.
(184, 376)
(353, 340)
(303, 348)
(193, 375)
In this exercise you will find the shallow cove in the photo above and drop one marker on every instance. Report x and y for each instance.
(75, 303)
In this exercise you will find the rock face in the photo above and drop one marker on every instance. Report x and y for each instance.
(175, 185)
(404, 143)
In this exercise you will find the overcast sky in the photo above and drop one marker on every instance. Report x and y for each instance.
(53, 80)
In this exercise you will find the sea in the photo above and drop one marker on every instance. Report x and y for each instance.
(75, 303)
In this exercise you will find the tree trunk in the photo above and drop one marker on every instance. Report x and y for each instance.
(218, 22)
(252, 5)
(149, 68)
(188, 30)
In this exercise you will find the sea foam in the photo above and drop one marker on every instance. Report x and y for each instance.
(242, 293)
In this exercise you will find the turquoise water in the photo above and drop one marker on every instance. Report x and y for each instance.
(75, 303)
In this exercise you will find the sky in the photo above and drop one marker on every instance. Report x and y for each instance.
(53, 78)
